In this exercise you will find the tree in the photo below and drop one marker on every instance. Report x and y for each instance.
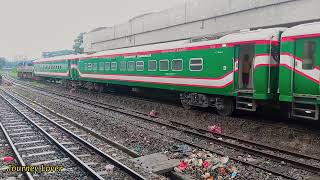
(78, 44)
(2, 62)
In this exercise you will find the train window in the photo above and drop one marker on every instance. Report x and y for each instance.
(114, 66)
(309, 55)
(131, 65)
(123, 66)
(101, 66)
(94, 66)
(177, 65)
(164, 65)
(107, 66)
(152, 65)
(196, 64)
(89, 66)
(140, 65)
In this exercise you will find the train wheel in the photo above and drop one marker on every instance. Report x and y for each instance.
(225, 106)
(185, 105)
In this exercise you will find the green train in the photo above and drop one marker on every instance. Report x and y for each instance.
(243, 70)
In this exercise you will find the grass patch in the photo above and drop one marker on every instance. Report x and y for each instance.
(14, 72)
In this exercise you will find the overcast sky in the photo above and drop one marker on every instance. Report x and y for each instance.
(31, 26)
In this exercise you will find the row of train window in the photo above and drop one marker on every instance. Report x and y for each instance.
(49, 66)
(195, 64)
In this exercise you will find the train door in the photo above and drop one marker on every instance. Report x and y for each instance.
(306, 74)
(246, 54)
(245, 86)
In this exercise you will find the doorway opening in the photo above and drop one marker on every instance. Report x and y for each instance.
(246, 56)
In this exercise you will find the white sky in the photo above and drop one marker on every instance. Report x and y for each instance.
(29, 27)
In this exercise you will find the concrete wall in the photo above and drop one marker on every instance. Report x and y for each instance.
(201, 17)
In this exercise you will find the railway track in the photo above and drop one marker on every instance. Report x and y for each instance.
(308, 126)
(8, 153)
(39, 138)
(271, 159)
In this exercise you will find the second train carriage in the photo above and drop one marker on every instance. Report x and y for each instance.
(300, 70)
(206, 73)
(237, 71)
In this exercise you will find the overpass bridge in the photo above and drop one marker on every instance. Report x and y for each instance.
(202, 17)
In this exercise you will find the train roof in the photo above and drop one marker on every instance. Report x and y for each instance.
(303, 29)
(59, 58)
(243, 36)
(260, 34)
(151, 47)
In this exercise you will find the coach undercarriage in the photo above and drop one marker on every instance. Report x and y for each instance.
(224, 105)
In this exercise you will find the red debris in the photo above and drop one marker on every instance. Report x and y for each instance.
(153, 113)
(205, 164)
(222, 171)
(216, 129)
(183, 165)
(7, 159)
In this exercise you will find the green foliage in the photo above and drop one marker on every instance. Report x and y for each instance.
(78, 44)
(14, 72)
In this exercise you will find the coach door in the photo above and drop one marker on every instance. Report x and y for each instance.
(245, 87)
(246, 55)
(72, 70)
(306, 75)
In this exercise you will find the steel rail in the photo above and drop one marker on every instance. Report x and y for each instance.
(194, 145)
(234, 145)
(145, 117)
(89, 170)
(16, 153)
(69, 153)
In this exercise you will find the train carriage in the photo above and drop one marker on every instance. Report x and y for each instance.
(206, 73)
(300, 70)
(54, 68)
(25, 72)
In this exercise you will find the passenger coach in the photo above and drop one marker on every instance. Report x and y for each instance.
(237, 71)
